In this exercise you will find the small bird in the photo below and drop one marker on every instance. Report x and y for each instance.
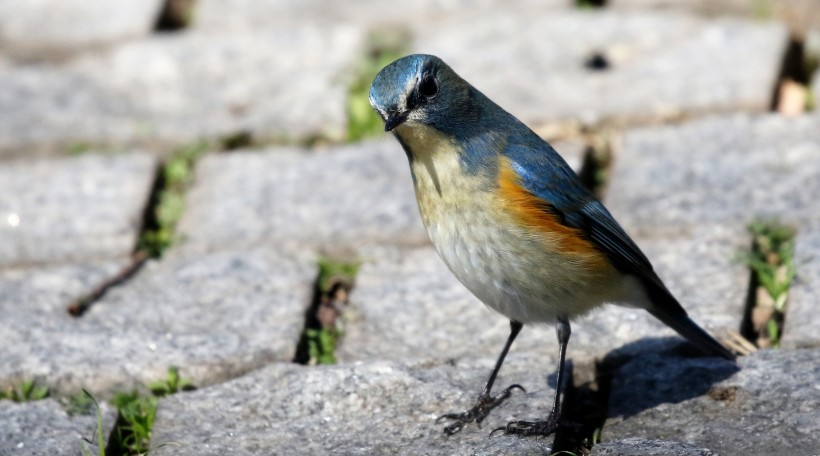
(512, 221)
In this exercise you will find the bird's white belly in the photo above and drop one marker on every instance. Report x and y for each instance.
(507, 270)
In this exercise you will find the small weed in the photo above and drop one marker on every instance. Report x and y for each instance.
(137, 412)
(79, 404)
(172, 384)
(772, 259)
(362, 121)
(99, 429)
(812, 65)
(772, 263)
(322, 345)
(177, 175)
(78, 148)
(323, 327)
(27, 391)
(331, 271)
(135, 422)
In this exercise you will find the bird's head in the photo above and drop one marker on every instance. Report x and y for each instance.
(420, 89)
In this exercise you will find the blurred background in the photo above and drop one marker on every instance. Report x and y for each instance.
(156, 73)
(204, 183)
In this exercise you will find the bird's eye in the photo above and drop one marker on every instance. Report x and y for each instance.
(428, 87)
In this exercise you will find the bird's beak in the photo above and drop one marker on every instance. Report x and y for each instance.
(394, 120)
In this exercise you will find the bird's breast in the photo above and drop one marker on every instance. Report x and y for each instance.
(518, 271)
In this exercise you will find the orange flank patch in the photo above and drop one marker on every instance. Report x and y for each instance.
(534, 214)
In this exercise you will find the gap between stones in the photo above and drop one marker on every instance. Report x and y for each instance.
(165, 206)
(791, 94)
(323, 327)
(175, 15)
(598, 156)
(772, 270)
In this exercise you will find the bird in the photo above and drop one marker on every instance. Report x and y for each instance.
(513, 222)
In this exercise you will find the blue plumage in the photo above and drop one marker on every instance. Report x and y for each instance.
(511, 219)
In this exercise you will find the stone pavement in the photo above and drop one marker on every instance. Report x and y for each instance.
(91, 113)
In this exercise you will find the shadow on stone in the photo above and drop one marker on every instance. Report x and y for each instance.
(587, 398)
(667, 371)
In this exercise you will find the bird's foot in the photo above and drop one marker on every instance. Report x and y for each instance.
(526, 428)
(483, 406)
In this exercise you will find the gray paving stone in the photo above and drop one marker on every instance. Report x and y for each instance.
(367, 408)
(407, 304)
(662, 65)
(38, 29)
(340, 196)
(287, 83)
(634, 446)
(42, 290)
(802, 316)
(770, 404)
(343, 196)
(72, 209)
(244, 14)
(214, 316)
(717, 171)
(43, 428)
(799, 15)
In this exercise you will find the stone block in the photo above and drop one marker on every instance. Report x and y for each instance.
(72, 209)
(768, 402)
(361, 408)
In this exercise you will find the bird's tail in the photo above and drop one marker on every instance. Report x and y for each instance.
(680, 322)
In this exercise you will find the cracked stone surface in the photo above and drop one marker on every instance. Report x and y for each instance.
(43, 428)
(174, 89)
(214, 316)
(723, 171)
(281, 408)
(47, 29)
(660, 65)
(72, 209)
(772, 402)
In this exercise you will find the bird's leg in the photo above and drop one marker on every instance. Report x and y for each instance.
(549, 425)
(485, 402)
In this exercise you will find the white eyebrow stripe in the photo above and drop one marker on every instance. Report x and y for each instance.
(410, 86)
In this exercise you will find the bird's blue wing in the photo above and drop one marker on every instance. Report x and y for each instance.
(546, 175)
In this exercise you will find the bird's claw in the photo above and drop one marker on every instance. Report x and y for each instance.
(528, 428)
(483, 406)
(540, 428)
